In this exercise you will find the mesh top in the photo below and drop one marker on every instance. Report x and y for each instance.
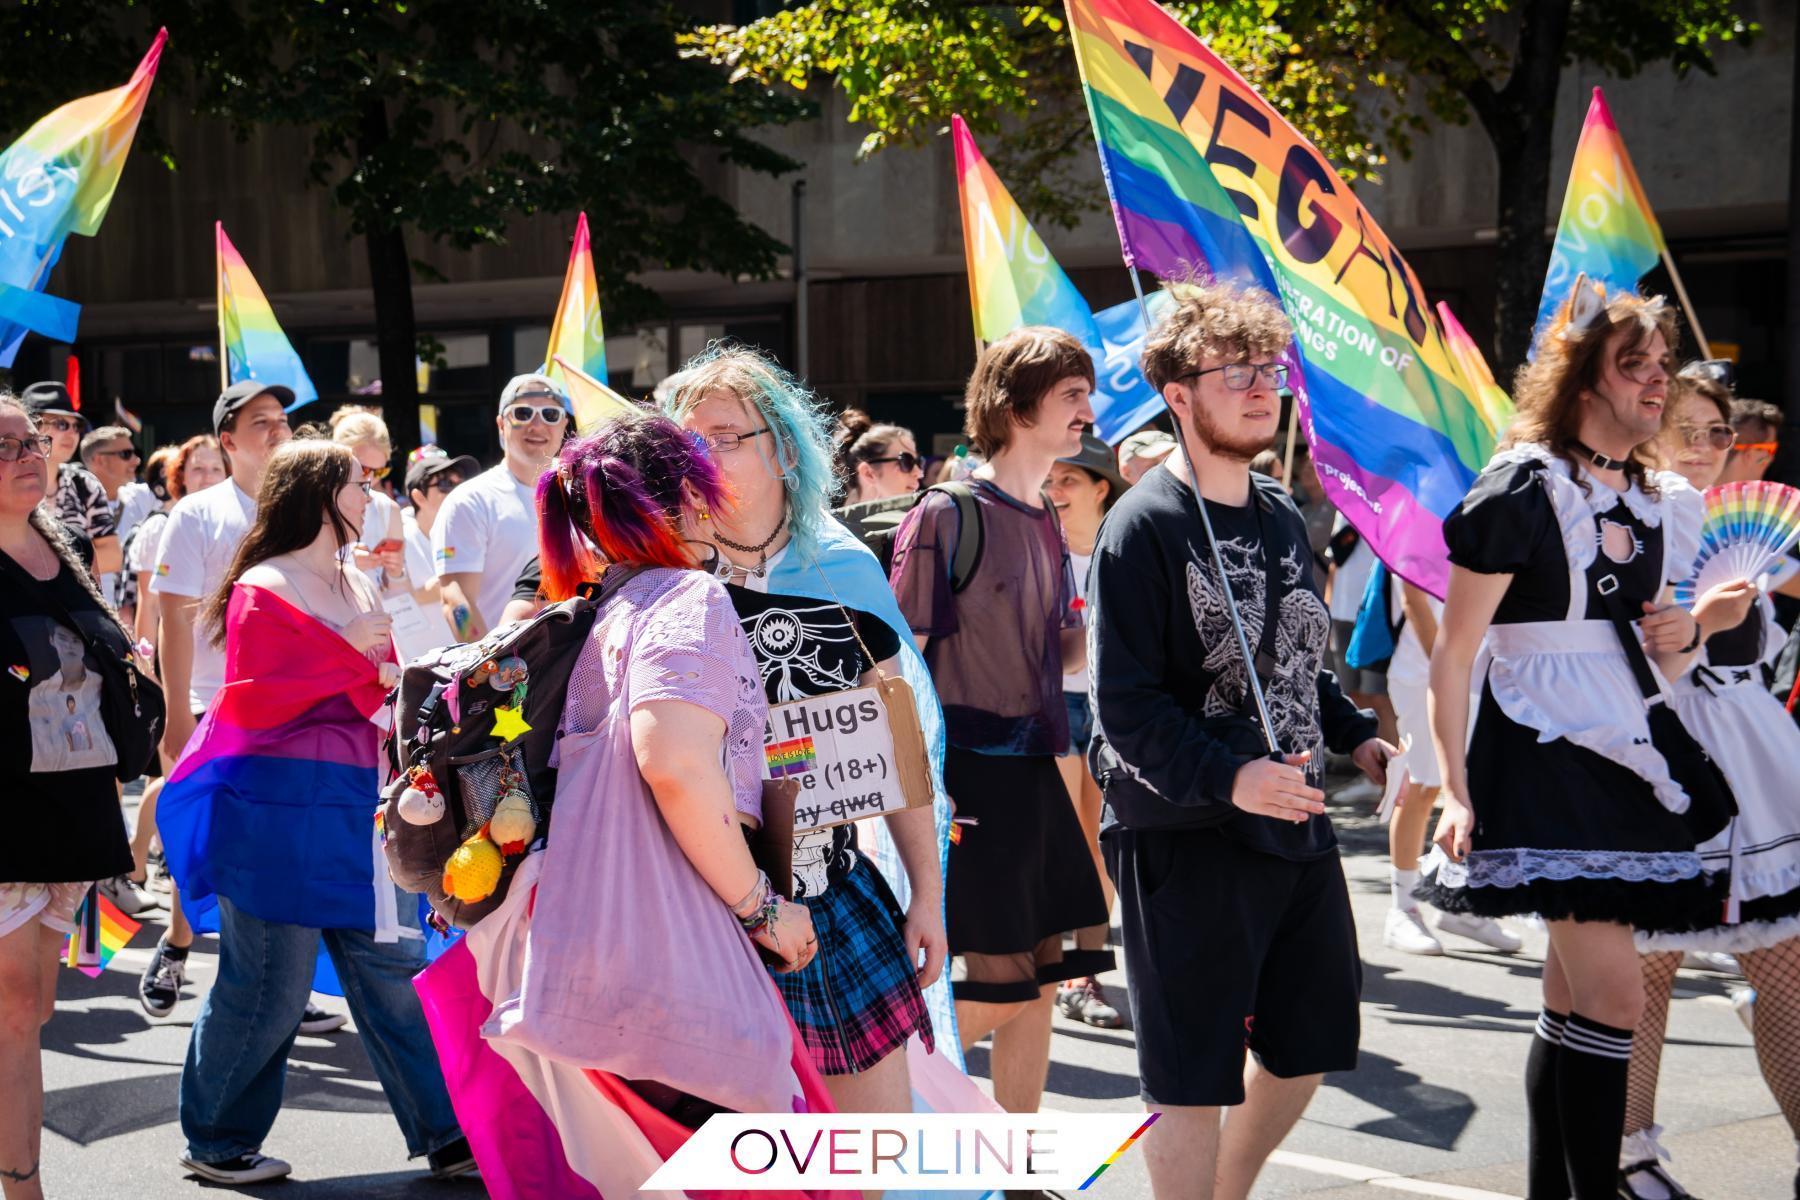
(995, 651)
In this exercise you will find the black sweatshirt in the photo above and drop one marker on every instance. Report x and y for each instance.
(1173, 722)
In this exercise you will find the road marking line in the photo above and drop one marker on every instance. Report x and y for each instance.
(1375, 1177)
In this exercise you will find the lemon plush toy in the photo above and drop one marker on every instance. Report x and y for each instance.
(473, 871)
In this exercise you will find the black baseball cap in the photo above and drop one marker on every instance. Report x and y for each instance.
(49, 397)
(242, 393)
(428, 461)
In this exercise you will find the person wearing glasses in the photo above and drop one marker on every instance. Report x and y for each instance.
(113, 461)
(1240, 949)
(876, 461)
(487, 529)
(79, 499)
(1756, 426)
(431, 475)
(380, 548)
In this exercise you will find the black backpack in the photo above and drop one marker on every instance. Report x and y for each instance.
(877, 522)
(443, 745)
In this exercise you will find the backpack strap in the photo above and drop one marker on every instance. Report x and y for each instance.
(969, 538)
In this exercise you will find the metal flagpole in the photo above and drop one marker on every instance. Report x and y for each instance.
(1218, 561)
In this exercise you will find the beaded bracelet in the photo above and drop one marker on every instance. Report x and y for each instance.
(763, 921)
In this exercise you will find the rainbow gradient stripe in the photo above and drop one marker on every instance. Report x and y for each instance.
(1116, 1155)
(115, 931)
(1607, 229)
(1207, 178)
(795, 757)
(576, 335)
(253, 345)
(59, 179)
(1496, 406)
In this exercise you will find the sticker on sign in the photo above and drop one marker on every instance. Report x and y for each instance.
(840, 749)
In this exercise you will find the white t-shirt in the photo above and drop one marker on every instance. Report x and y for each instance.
(136, 501)
(418, 570)
(487, 525)
(1078, 563)
(1348, 582)
(198, 543)
(1411, 666)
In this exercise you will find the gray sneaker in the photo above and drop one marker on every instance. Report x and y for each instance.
(125, 895)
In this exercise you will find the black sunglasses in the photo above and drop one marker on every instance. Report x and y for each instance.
(906, 462)
(125, 455)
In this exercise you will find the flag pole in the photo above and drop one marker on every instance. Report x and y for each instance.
(1287, 458)
(219, 304)
(1687, 306)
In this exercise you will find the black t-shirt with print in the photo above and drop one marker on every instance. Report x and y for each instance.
(806, 648)
(56, 759)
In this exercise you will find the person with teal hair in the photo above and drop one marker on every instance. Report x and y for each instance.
(817, 611)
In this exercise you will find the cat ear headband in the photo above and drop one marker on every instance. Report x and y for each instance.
(1587, 308)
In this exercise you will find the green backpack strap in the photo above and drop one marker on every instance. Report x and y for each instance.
(969, 538)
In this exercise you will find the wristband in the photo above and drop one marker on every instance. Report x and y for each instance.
(1693, 642)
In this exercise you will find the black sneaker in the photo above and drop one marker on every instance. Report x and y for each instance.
(245, 1168)
(452, 1161)
(160, 987)
(316, 1020)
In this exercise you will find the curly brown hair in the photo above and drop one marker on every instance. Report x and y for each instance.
(1011, 378)
(1224, 320)
(1547, 391)
(177, 477)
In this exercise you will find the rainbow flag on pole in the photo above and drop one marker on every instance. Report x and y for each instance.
(593, 402)
(1206, 177)
(576, 335)
(1607, 229)
(101, 931)
(1495, 404)
(250, 339)
(1014, 280)
(56, 180)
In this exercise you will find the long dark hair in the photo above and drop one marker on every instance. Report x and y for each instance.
(298, 494)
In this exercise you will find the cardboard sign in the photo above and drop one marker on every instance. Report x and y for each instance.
(840, 749)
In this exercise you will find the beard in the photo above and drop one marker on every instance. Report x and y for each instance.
(1233, 448)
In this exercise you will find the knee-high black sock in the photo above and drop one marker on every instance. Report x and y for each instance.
(1547, 1174)
(1590, 1093)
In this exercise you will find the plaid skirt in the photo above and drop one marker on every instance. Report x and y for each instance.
(858, 1000)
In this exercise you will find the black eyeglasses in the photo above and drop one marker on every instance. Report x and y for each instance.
(1240, 377)
(906, 462)
(12, 449)
(443, 483)
(125, 455)
(725, 443)
(62, 424)
(549, 414)
(1718, 436)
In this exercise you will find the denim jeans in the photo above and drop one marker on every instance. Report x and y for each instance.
(231, 1083)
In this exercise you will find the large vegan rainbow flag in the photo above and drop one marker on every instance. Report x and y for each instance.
(59, 179)
(576, 335)
(1014, 280)
(1607, 230)
(250, 338)
(1207, 178)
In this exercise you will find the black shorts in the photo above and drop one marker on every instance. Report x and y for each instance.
(1228, 949)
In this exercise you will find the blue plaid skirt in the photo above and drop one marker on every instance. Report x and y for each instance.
(858, 1000)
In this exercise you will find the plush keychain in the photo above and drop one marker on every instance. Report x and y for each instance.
(473, 871)
(422, 803)
(512, 826)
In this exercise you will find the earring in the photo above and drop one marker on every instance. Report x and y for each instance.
(705, 514)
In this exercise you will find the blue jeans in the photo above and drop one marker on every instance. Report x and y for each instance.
(236, 1064)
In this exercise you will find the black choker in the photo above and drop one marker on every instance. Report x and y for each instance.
(1598, 459)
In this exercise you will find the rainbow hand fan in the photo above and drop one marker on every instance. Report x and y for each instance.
(1747, 529)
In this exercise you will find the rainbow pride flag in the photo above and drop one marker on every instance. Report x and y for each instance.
(1014, 280)
(1207, 178)
(795, 757)
(250, 338)
(101, 931)
(593, 402)
(1496, 406)
(59, 179)
(1607, 229)
(576, 335)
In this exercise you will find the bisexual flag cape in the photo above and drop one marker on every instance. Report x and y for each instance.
(272, 803)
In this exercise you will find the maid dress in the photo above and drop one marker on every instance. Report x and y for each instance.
(1745, 730)
(1576, 814)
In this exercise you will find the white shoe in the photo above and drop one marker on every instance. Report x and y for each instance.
(1710, 960)
(245, 1168)
(1406, 933)
(1485, 930)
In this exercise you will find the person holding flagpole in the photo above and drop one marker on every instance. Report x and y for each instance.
(1240, 949)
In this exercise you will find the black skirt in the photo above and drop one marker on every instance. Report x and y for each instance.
(1567, 834)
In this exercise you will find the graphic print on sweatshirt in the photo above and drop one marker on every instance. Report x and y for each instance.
(1300, 638)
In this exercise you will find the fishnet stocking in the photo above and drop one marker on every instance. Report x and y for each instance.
(1775, 974)
(1647, 1043)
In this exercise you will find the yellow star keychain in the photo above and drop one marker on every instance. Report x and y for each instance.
(509, 723)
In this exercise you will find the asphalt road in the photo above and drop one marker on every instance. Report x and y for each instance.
(1434, 1109)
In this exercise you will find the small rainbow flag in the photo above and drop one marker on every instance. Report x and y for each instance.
(576, 335)
(594, 403)
(794, 757)
(59, 179)
(1607, 229)
(251, 341)
(101, 931)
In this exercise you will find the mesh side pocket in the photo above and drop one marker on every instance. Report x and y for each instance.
(479, 781)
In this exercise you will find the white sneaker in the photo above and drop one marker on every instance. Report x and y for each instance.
(1485, 930)
(1710, 960)
(245, 1168)
(1406, 933)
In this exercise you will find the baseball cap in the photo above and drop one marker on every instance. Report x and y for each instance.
(428, 461)
(242, 393)
(530, 387)
(1144, 444)
(1096, 456)
(49, 397)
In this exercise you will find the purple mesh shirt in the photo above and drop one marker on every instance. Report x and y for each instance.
(996, 650)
